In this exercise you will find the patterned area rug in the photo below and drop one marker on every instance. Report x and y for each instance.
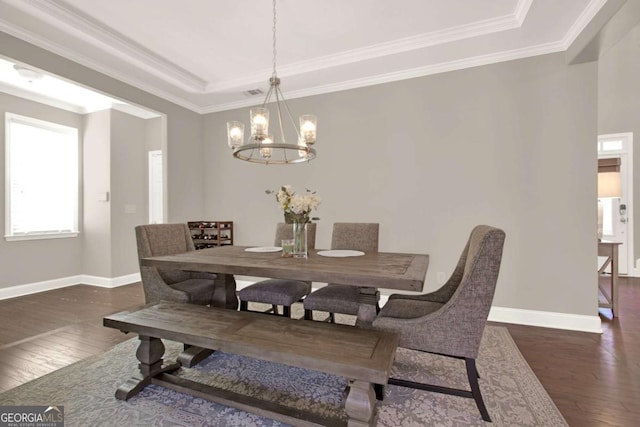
(512, 393)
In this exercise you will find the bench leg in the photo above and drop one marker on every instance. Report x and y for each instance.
(360, 404)
(193, 355)
(149, 353)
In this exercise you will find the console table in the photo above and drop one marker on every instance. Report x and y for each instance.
(610, 251)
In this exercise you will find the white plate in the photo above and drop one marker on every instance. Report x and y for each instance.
(340, 253)
(264, 249)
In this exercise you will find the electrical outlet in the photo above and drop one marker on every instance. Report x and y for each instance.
(441, 277)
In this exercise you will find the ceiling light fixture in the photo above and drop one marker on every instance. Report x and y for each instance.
(262, 146)
(27, 73)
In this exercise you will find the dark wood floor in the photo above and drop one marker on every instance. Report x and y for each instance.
(593, 379)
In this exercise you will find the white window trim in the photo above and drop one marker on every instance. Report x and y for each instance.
(36, 235)
(39, 236)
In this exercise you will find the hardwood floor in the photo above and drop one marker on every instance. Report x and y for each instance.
(593, 379)
(46, 331)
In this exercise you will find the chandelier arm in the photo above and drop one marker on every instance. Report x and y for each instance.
(278, 95)
(267, 98)
(293, 122)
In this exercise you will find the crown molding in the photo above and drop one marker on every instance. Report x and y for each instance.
(581, 23)
(87, 29)
(46, 44)
(477, 61)
(406, 44)
(522, 9)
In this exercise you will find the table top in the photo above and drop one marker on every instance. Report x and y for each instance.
(400, 271)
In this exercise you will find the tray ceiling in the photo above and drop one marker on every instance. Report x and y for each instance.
(206, 55)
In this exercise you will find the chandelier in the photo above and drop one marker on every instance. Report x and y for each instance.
(261, 146)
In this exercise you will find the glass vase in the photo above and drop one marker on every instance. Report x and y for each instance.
(299, 239)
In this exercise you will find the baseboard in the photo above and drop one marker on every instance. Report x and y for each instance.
(546, 319)
(48, 285)
(114, 282)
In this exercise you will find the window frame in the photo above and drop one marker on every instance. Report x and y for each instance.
(51, 126)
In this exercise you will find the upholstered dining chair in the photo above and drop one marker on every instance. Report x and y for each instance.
(450, 321)
(343, 299)
(278, 292)
(171, 285)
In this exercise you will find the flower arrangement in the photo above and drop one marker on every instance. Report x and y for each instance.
(296, 207)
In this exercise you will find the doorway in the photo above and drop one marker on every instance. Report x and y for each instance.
(617, 218)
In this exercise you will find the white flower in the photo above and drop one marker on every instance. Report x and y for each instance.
(297, 204)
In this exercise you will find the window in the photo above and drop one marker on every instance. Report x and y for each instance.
(41, 166)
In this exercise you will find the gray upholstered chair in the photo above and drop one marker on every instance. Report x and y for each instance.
(171, 285)
(343, 299)
(450, 321)
(279, 291)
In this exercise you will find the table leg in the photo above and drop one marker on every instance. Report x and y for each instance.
(224, 292)
(367, 312)
(360, 404)
(150, 352)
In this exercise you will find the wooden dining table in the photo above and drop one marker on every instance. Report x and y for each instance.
(374, 270)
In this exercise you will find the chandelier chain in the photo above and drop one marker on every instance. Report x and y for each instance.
(274, 38)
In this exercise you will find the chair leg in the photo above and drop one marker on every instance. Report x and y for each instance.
(244, 305)
(275, 309)
(472, 373)
(379, 389)
(332, 318)
(308, 314)
(286, 311)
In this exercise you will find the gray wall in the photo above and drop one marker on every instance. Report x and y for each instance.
(96, 232)
(58, 258)
(619, 104)
(509, 145)
(184, 127)
(31, 261)
(114, 158)
(128, 189)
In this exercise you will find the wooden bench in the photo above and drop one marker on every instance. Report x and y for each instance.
(363, 356)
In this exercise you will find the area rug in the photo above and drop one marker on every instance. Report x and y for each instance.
(512, 393)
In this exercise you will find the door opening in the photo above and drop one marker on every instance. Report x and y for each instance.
(617, 218)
